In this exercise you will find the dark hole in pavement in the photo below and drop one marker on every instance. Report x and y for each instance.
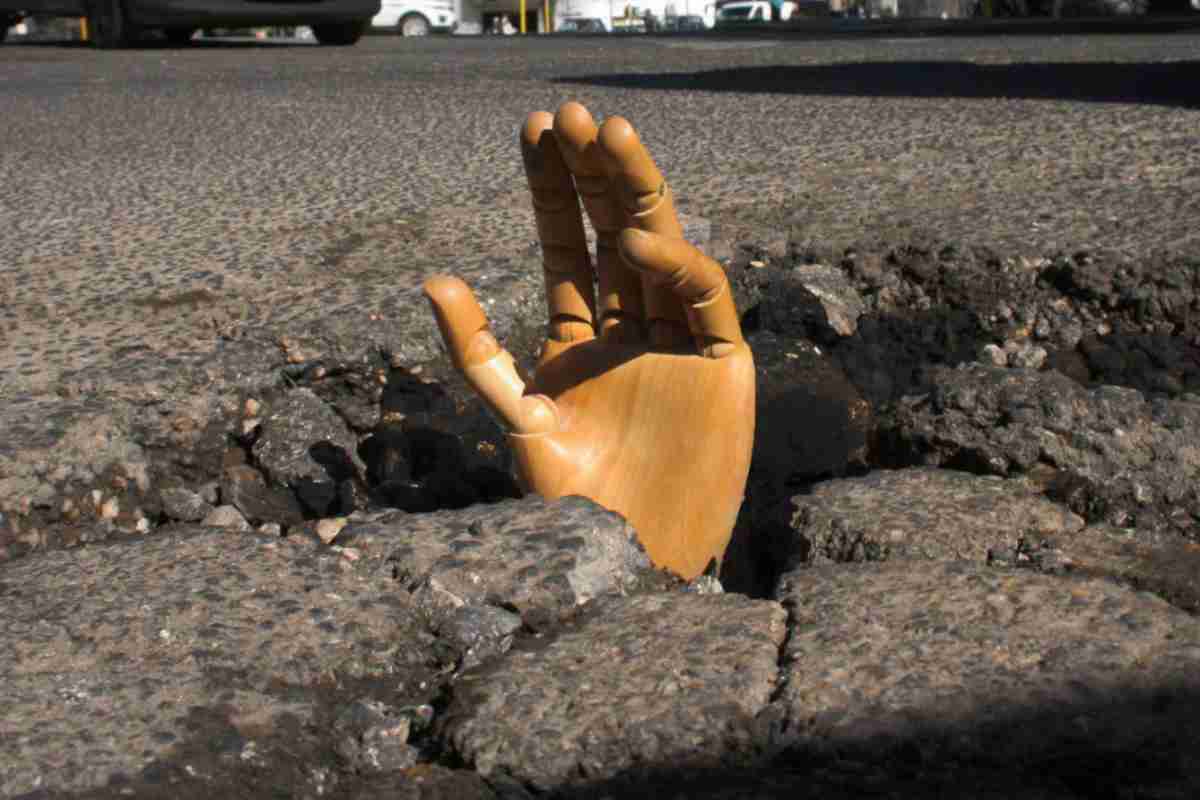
(334, 459)
(833, 393)
(419, 469)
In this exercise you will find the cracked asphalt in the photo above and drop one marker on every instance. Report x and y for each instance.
(150, 197)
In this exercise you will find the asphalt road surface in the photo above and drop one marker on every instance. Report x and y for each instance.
(145, 193)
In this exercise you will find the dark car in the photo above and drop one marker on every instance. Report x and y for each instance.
(582, 25)
(689, 22)
(117, 23)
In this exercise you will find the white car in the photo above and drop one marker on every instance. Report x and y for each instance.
(416, 17)
(741, 11)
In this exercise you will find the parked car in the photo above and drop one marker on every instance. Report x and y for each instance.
(582, 25)
(629, 25)
(416, 17)
(687, 22)
(119, 23)
(741, 12)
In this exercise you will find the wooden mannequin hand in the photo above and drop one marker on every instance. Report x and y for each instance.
(647, 406)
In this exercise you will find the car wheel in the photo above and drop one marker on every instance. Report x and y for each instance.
(179, 36)
(339, 33)
(414, 25)
(108, 26)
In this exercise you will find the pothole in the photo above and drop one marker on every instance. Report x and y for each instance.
(870, 356)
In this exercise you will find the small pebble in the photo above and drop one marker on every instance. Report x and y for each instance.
(994, 355)
(110, 508)
(328, 529)
(226, 517)
(210, 493)
(1028, 358)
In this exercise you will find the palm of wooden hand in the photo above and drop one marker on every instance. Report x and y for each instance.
(647, 406)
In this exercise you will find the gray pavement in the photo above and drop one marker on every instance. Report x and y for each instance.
(172, 214)
(150, 198)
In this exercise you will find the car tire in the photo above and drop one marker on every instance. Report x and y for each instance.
(414, 25)
(108, 25)
(179, 36)
(339, 34)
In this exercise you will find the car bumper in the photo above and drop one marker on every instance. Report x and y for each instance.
(240, 13)
(390, 18)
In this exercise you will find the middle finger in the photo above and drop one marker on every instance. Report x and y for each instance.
(620, 297)
(650, 207)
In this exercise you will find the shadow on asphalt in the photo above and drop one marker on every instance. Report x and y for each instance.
(1169, 83)
(1130, 743)
(1121, 741)
(817, 29)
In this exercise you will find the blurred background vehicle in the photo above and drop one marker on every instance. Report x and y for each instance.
(629, 25)
(120, 23)
(416, 17)
(639, 16)
(581, 25)
(687, 22)
(8, 20)
(577, 13)
(740, 12)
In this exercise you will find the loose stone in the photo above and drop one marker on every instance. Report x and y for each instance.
(328, 529)
(226, 517)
